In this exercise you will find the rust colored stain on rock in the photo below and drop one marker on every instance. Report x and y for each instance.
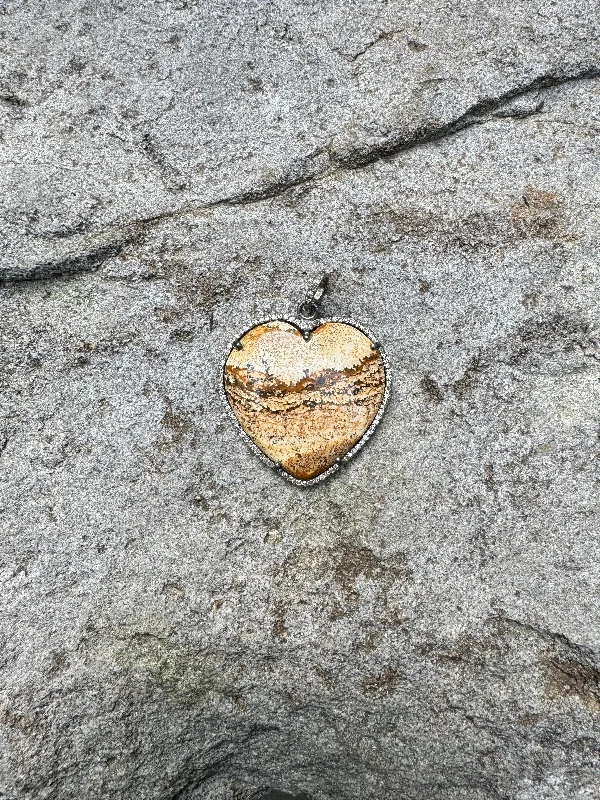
(305, 403)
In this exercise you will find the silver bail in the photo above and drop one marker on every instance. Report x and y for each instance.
(309, 308)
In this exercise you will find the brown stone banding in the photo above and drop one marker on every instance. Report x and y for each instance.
(305, 404)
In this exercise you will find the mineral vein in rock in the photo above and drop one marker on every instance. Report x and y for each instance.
(305, 403)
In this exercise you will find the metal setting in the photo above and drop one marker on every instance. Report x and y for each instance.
(300, 324)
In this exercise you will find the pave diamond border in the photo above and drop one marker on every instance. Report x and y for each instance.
(302, 327)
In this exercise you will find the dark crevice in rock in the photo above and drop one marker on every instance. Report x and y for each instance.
(566, 677)
(13, 100)
(191, 783)
(86, 261)
(172, 178)
(317, 165)
(569, 669)
(307, 169)
(550, 636)
(519, 112)
(399, 142)
(383, 36)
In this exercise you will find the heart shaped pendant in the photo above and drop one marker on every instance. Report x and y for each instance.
(306, 399)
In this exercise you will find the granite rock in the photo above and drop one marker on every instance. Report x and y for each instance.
(177, 622)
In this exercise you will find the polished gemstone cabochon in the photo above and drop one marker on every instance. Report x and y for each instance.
(305, 403)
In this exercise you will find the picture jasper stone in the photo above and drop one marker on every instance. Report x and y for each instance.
(305, 403)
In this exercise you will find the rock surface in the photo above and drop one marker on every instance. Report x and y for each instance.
(177, 622)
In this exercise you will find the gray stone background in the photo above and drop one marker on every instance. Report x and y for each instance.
(179, 623)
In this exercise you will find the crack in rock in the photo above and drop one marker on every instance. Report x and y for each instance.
(552, 637)
(319, 164)
(87, 260)
(479, 113)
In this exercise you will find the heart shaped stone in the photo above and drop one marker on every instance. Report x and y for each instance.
(305, 403)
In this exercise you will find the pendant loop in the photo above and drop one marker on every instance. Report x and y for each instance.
(309, 308)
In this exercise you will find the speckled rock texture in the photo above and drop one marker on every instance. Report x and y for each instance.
(179, 623)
